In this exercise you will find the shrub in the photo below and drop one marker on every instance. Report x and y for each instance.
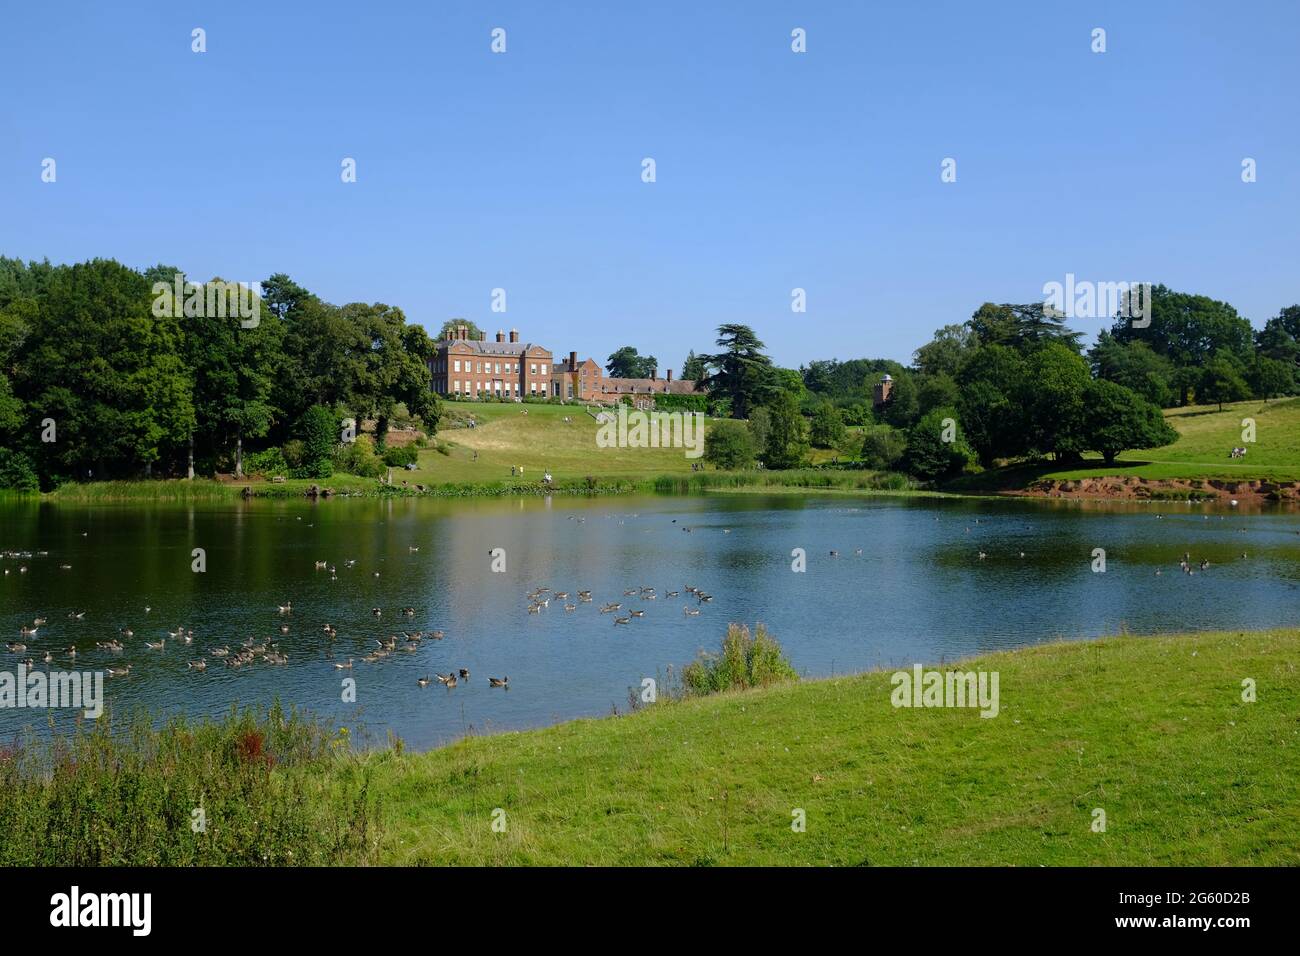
(401, 456)
(882, 446)
(17, 471)
(319, 430)
(270, 462)
(359, 458)
(727, 445)
(745, 661)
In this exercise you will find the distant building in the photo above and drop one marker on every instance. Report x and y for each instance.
(880, 395)
(586, 381)
(465, 367)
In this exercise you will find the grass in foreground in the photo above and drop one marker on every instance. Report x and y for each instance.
(1152, 730)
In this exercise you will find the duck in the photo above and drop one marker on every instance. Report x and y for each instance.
(498, 681)
(423, 681)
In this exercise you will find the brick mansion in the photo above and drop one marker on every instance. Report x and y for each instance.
(467, 367)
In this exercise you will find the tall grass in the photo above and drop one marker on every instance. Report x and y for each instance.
(744, 661)
(255, 788)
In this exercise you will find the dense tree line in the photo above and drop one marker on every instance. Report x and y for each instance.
(104, 375)
(1011, 383)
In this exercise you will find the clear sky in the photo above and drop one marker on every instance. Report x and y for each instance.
(775, 170)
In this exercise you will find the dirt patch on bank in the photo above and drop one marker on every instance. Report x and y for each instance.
(1171, 489)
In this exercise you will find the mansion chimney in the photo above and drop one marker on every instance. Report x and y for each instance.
(573, 361)
(514, 335)
(670, 375)
(501, 336)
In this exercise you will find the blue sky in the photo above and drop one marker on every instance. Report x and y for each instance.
(775, 170)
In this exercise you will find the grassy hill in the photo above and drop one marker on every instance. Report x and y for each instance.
(1206, 435)
(1151, 730)
(539, 441)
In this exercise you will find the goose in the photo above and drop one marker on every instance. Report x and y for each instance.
(147, 609)
(27, 631)
(691, 611)
(672, 593)
(437, 635)
(78, 615)
(376, 612)
(160, 645)
(16, 647)
(176, 633)
(982, 555)
(38, 622)
(534, 609)
(637, 613)
(64, 567)
(584, 595)
(286, 608)
(344, 667)
(561, 595)
(622, 620)
(450, 681)
(119, 671)
(443, 678)
(422, 681)
(704, 598)
(321, 565)
(409, 611)
(630, 592)
(610, 608)
(127, 632)
(464, 673)
(412, 549)
(71, 650)
(199, 665)
(284, 629)
(220, 651)
(498, 681)
(570, 607)
(48, 658)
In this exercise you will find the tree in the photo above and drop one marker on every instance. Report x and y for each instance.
(729, 445)
(827, 427)
(1270, 378)
(882, 446)
(787, 439)
(740, 372)
(993, 421)
(1188, 330)
(627, 363)
(944, 354)
(1052, 396)
(1222, 381)
(1021, 327)
(903, 407)
(936, 391)
(474, 332)
(693, 368)
(935, 448)
(1134, 365)
(319, 431)
(1119, 419)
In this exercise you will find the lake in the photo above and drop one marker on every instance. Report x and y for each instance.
(917, 592)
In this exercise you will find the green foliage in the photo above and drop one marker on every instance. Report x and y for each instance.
(826, 429)
(741, 372)
(1272, 378)
(882, 446)
(685, 403)
(787, 437)
(1119, 419)
(1222, 380)
(319, 430)
(268, 463)
(17, 472)
(931, 455)
(274, 789)
(729, 445)
(745, 661)
(628, 363)
(401, 456)
(357, 458)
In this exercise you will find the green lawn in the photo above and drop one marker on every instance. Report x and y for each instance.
(538, 441)
(1206, 436)
(1151, 730)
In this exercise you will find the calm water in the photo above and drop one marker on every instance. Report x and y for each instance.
(917, 592)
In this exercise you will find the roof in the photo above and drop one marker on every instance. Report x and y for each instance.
(643, 386)
(481, 347)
